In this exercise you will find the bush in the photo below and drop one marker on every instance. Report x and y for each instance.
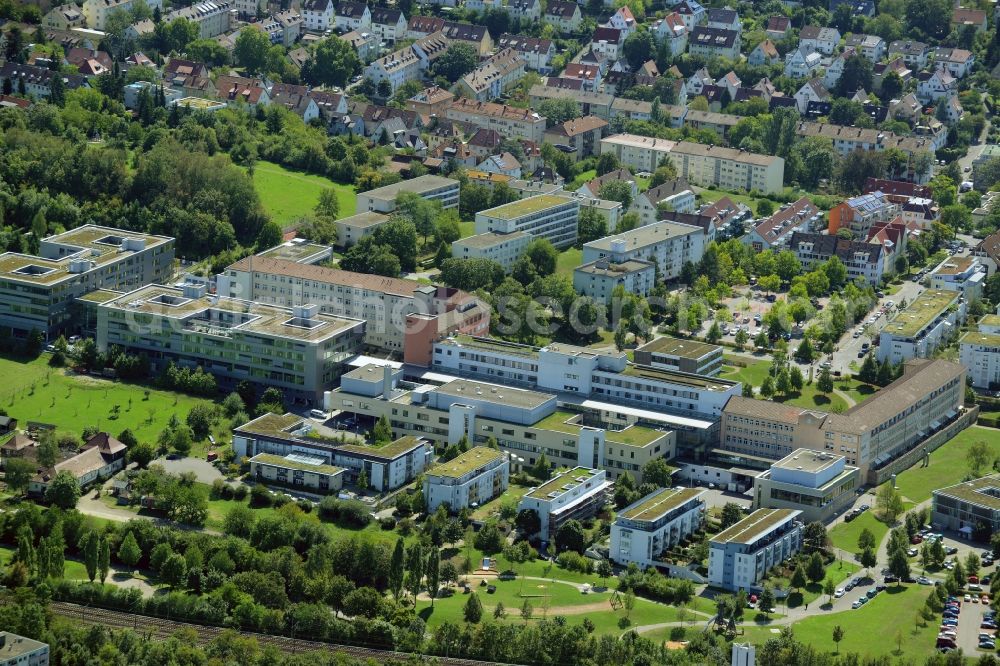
(345, 512)
(240, 492)
(574, 562)
(388, 523)
(281, 500)
(305, 505)
(261, 496)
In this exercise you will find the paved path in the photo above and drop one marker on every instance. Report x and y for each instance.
(89, 505)
(845, 397)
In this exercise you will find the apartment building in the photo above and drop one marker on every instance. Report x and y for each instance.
(966, 275)
(432, 188)
(587, 103)
(297, 470)
(699, 164)
(213, 18)
(36, 81)
(576, 494)
(509, 121)
(643, 530)
(297, 349)
(600, 278)
(397, 68)
(862, 260)
(39, 292)
(775, 231)
(64, 17)
(351, 229)
(968, 506)
(673, 195)
(352, 16)
(402, 316)
(318, 15)
(503, 248)
(667, 244)
(20, 651)
(97, 11)
(847, 139)
(525, 423)
(563, 16)
(691, 356)
(740, 556)
(473, 478)
(387, 467)
(922, 326)
(872, 436)
(858, 214)
(493, 76)
(818, 484)
(537, 52)
(554, 218)
(581, 135)
(714, 42)
(979, 352)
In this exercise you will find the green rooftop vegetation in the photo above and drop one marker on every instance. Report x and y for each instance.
(271, 425)
(469, 461)
(570, 423)
(684, 379)
(390, 450)
(563, 482)
(660, 502)
(516, 209)
(490, 344)
(927, 307)
(753, 526)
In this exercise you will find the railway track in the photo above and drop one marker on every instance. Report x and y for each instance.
(161, 629)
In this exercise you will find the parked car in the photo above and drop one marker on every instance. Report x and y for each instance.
(839, 593)
(924, 580)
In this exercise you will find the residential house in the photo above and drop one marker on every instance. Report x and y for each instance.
(212, 18)
(494, 76)
(858, 214)
(505, 164)
(988, 250)
(913, 53)
(697, 82)
(36, 81)
(296, 99)
(802, 62)
(587, 103)
(824, 40)
(740, 556)
(525, 10)
(881, 69)
(64, 17)
(178, 67)
(582, 135)
(714, 42)
(485, 142)
(691, 12)
(836, 69)
(632, 109)
(932, 86)
(592, 188)
(623, 20)
(765, 53)
(812, 91)
(963, 274)
(366, 44)
(892, 236)
(589, 76)
(100, 458)
(537, 52)
(777, 27)
(606, 42)
(647, 74)
(599, 279)
(957, 62)
(397, 68)
(388, 24)
(724, 18)
(318, 15)
(862, 260)
(675, 195)
(350, 15)
(976, 18)
(238, 90)
(672, 30)
(858, 7)
(97, 12)
(421, 26)
(430, 102)
(773, 233)
(291, 26)
(476, 36)
(926, 324)
(720, 123)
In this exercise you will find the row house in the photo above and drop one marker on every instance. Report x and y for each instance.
(537, 52)
(36, 81)
(773, 232)
(862, 260)
(510, 121)
(494, 76)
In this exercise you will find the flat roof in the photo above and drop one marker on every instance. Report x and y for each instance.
(471, 460)
(506, 395)
(955, 265)
(199, 103)
(490, 239)
(100, 296)
(293, 251)
(679, 347)
(565, 421)
(990, 320)
(979, 338)
(368, 372)
(247, 316)
(335, 276)
(683, 378)
(416, 185)
(754, 526)
(493, 345)
(271, 424)
(389, 451)
(364, 220)
(15, 646)
(659, 503)
(983, 492)
(295, 461)
(647, 235)
(924, 309)
(563, 483)
(522, 207)
(614, 270)
(807, 460)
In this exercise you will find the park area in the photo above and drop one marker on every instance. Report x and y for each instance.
(809, 397)
(289, 195)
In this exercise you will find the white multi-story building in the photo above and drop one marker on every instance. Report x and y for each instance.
(655, 523)
(505, 249)
(318, 15)
(350, 16)
(963, 274)
(20, 651)
(554, 218)
(924, 325)
(97, 11)
(473, 478)
(599, 279)
(212, 18)
(432, 188)
(669, 245)
(397, 68)
(297, 470)
(979, 352)
(740, 556)
(817, 483)
(579, 493)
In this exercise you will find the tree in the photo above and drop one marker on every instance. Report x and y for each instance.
(799, 578)
(814, 535)
(250, 50)
(129, 552)
(558, 111)
(767, 386)
(892, 86)
(473, 609)
(18, 473)
(867, 558)
(889, 502)
(433, 573)
(628, 600)
(928, 16)
(838, 635)
(571, 537)
(899, 564)
(866, 539)
(499, 613)
(606, 163)
(90, 547)
(816, 571)
(528, 522)
(617, 190)
(458, 60)
(57, 91)
(742, 337)
(731, 514)
(63, 491)
(382, 432)
(396, 569)
(48, 450)
(173, 572)
(332, 63)
(766, 600)
(825, 381)
(541, 469)
(829, 589)
(978, 457)
(795, 378)
(657, 472)
(714, 333)
(592, 224)
(104, 558)
(857, 74)
(414, 570)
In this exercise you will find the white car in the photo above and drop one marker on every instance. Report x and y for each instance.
(839, 593)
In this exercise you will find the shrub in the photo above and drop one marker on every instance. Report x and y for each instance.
(574, 562)
(261, 496)
(240, 492)
(388, 523)
(281, 500)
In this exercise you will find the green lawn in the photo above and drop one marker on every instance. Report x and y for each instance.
(33, 391)
(467, 229)
(568, 260)
(582, 179)
(857, 390)
(871, 631)
(512, 495)
(948, 465)
(845, 535)
(754, 372)
(808, 397)
(288, 195)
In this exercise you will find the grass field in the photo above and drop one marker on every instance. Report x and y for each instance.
(288, 195)
(467, 229)
(809, 397)
(568, 260)
(845, 535)
(870, 631)
(581, 180)
(948, 465)
(33, 391)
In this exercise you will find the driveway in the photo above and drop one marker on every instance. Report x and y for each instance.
(204, 471)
